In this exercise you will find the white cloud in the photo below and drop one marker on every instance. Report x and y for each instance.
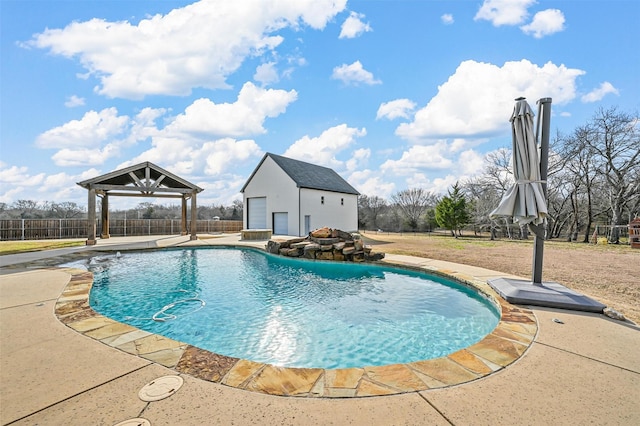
(221, 155)
(358, 160)
(193, 158)
(198, 45)
(322, 150)
(369, 182)
(19, 175)
(56, 187)
(418, 158)
(74, 101)
(504, 12)
(241, 118)
(477, 99)
(423, 166)
(354, 74)
(90, 131)
(266, 74)
(98, 136)
(599, 93)
(470, 163)
(544, 23)
(353, 26)
(447, 19)
(85, 157)
(11, 195)
(399, 108)
(144, 125)
(442, 185)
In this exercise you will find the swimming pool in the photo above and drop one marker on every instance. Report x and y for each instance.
(247, 304)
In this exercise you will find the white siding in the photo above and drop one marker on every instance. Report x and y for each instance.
(339, 210)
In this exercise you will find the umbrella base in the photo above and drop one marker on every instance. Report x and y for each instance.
(549, 294)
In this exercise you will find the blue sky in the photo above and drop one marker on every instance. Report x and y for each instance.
(390, 94)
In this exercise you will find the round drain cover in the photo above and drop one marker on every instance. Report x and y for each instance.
(135, 422)
(160, 388)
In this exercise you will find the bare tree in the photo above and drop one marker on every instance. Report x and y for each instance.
(369, 208)
(581, 163)
(66, 210)
(615, 138)
(414, 203)
(487, 189)
(27, 209)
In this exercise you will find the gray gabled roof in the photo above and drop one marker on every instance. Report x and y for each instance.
(307, 175)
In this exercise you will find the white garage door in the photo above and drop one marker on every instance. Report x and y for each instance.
(280, 224)
(257, 214)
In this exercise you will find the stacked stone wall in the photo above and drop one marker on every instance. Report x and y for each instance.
(326, 244)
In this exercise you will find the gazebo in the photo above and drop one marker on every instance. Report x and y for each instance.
(142, 180)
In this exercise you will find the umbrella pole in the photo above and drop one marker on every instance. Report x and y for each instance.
(544, 108)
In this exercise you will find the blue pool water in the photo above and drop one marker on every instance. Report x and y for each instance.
(248, 304)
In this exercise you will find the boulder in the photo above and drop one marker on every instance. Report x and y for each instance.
(273, 247)
(293, 252)
(324, 255)
(374, 256)
(301, 245)
(321, 233)
(323, 241)
(326, 244)
(348, 250)
(311, 247)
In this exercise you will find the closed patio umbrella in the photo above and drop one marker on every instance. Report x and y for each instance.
(525, 200)
(526, 203)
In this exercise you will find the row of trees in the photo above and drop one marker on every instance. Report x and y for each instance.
(594, 177)
(28, 209)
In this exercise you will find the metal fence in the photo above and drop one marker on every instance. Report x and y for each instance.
(43, 229)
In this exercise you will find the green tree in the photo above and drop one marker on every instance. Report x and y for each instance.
(452, 211)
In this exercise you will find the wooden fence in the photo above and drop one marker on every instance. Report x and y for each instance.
(43, 229)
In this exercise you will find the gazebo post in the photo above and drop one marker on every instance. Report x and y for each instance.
(194, 216)
(183, 222)
(105, 216)
(91, 218)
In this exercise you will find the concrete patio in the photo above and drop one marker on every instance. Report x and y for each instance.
(584, 368)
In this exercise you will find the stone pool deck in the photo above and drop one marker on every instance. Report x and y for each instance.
(60, 364)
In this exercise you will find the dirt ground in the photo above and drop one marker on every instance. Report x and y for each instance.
(607, 273)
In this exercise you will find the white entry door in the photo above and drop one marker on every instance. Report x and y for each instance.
(257, 213)
(307, 224)
(281, 223)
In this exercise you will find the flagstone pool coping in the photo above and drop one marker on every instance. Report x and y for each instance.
(509, 341)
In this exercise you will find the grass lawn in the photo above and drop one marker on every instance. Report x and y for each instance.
(15, 247)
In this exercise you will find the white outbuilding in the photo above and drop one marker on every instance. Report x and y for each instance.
(291, 197)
